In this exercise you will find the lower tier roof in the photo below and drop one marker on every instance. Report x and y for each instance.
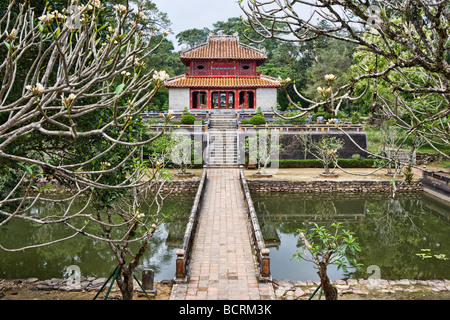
(222, 82)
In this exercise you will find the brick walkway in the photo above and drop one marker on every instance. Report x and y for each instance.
(223, 265)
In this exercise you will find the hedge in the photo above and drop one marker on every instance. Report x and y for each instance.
(257, 120)
(187, 119)
(314, 163)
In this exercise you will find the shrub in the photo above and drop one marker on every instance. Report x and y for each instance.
(257, 120)
(296, 121)
(356, 118)
(186, 112)
(245, 121)
(188, 119)
(259, 112)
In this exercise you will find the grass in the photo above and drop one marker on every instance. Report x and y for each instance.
(445, 164)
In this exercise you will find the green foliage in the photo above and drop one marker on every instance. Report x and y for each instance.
(296, 121)
(445, 164)
(356, 118)
(332, 245)
(409, 175)
(187, 119)
(333, 57)
(186, 111)
(259, 112)
(192, 37)
(257, 120)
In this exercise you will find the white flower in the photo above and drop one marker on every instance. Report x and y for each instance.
(11, 36)
(283, 81)
(106, 164)
(141, 16)
(36, 90)
(330, 77)
(58, 15)
(46, 18)
(125, 73)
(68, 100)
(139, 215)
(138, 63)
(97, 4)
(160, 76)
(120, 8)
(166, 32)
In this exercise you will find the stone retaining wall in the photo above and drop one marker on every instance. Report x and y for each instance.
(300, 290)
(85, 284)
(182, 186)
(327, 186)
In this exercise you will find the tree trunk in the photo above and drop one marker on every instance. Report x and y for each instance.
(330, 291)
(325, 166)
(125, 282)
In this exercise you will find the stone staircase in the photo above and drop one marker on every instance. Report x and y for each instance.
(222, 142)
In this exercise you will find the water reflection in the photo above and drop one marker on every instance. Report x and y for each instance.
(94, 257)
(391, 232)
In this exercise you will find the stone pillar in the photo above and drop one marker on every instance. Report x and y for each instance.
(148, 281)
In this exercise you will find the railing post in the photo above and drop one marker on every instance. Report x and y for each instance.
(180, 264)
(265, 262)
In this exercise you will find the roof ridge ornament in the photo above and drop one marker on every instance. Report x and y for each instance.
(221, 36)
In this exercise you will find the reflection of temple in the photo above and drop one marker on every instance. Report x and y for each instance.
(222, 76)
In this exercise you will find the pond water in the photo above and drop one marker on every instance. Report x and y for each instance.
(390, 232)
(93, 257)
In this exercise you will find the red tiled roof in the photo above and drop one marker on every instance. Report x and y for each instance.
(191, 82)
(223, 47)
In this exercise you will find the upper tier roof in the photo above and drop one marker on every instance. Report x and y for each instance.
(223, 47)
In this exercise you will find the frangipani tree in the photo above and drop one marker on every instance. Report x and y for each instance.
(331, 99)
(412, 36)
(264, 146)
(73, 119)
(324, 246)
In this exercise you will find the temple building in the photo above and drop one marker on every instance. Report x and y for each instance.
(222, 75)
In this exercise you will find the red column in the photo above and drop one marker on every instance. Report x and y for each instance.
(208, 99)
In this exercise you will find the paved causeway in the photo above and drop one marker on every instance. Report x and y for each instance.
(223, 266)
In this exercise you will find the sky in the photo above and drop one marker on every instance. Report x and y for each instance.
(189, 14)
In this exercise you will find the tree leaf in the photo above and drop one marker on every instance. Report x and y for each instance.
(120, 88)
